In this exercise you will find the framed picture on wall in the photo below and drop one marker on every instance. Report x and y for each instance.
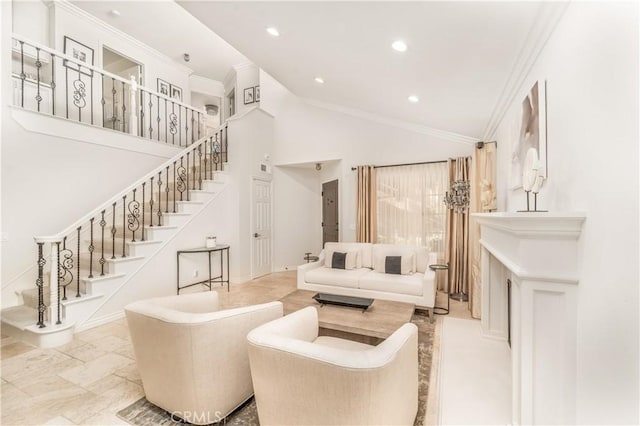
(163, 87)
(80, 53)
(529, 130)
(257, 93)
(248, 96)
(176, 93)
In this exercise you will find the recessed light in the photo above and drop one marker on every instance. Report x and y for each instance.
(413, 99)
(399, 46)
(273, 31)
(319, 80)
(115, 13)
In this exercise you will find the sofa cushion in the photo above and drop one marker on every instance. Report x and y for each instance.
(363, 249)
(341, 259)
(421, 261)
(402, 284)
(407, 262)
(335, 277)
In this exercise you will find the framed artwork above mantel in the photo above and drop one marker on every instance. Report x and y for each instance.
(529, 130)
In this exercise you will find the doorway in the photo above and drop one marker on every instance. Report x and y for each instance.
(261, 226)
(117, 97)
(330, 212)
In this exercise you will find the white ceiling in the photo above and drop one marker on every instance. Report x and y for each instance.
(459, 58)
(168, 28)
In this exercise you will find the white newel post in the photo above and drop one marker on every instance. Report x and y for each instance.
(133, 119)
(538, 253)
(53, 308)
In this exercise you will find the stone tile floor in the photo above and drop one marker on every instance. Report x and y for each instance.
(90, 379)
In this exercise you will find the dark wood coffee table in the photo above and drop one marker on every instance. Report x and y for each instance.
(375, 324)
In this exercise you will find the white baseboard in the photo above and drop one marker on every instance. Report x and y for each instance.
(95, 322)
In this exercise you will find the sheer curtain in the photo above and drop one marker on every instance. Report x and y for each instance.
(410, 205)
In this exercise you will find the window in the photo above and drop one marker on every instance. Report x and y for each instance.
(411, 209)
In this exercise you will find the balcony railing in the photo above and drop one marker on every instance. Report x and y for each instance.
(61, 85)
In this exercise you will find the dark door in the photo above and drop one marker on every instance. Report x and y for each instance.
(330, 212)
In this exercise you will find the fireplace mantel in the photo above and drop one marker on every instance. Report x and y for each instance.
(538, 253)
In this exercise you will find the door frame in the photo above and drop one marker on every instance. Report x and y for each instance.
(268, 180)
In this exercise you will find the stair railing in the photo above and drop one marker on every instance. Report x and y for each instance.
(68, 86)
(81, 250)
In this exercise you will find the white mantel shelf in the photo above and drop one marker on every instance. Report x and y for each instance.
(538, 253)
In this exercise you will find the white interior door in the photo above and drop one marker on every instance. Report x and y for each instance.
(261, 255)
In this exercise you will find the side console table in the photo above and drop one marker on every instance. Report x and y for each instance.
(222, 248)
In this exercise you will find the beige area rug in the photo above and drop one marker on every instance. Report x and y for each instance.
(143, 413)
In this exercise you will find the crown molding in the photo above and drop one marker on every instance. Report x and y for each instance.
(81, 14)
(546, 21)
(401, 124)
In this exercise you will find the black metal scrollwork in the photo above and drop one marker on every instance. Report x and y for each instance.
(79, 94)
(65, 272)
(133, 221)
(173, 123)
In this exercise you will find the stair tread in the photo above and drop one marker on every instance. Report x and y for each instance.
(19, 316)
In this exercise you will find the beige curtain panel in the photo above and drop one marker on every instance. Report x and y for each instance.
(483, 200)
(457, 235)
(366, 231)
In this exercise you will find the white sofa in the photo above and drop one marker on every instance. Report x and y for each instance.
(367, 279)
(192, 357)
(301, 378)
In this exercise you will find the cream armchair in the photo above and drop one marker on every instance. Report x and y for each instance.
(302, 379)
(191, 356)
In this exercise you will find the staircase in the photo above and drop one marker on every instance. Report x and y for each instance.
(79, 268)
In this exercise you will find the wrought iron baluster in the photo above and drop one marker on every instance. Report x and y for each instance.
(58, 321)
(91, 94)
(40, 284)
(181, 178)
(192, 126)
(186, 127)
(113, 101)
(206, 142)
(38, 66)
(79, 94)
(193, 170)
(158, 119)
(78, 264)
(172, 124)
(187, 176)
(133, 217)
(151, 203)
(144, 184)
(124, 110)
(160, 198)
(113, 231)
(65, 276)
(141, 119)
(200, 167)
(199, 114)
(166, 122)
(102, 259)
(91, 248)
(53, 84)
(150, 115)
(175, 183)
(23, 76)
(166, 190)
(102, 100)
(226, 143)
(124, 226)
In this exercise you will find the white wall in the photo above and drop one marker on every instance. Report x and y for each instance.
(304, 133)
(247, 77)
(591, 67)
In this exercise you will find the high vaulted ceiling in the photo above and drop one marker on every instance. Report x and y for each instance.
(459, 58)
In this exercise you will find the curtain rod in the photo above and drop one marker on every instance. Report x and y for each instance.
(405, 164)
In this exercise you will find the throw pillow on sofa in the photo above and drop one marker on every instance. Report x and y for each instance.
(341, 260)
(406, 263)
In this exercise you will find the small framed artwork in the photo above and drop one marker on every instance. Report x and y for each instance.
(248, 96)
(257, 93)
(81, 53)
(176, 93)
(163, 87)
